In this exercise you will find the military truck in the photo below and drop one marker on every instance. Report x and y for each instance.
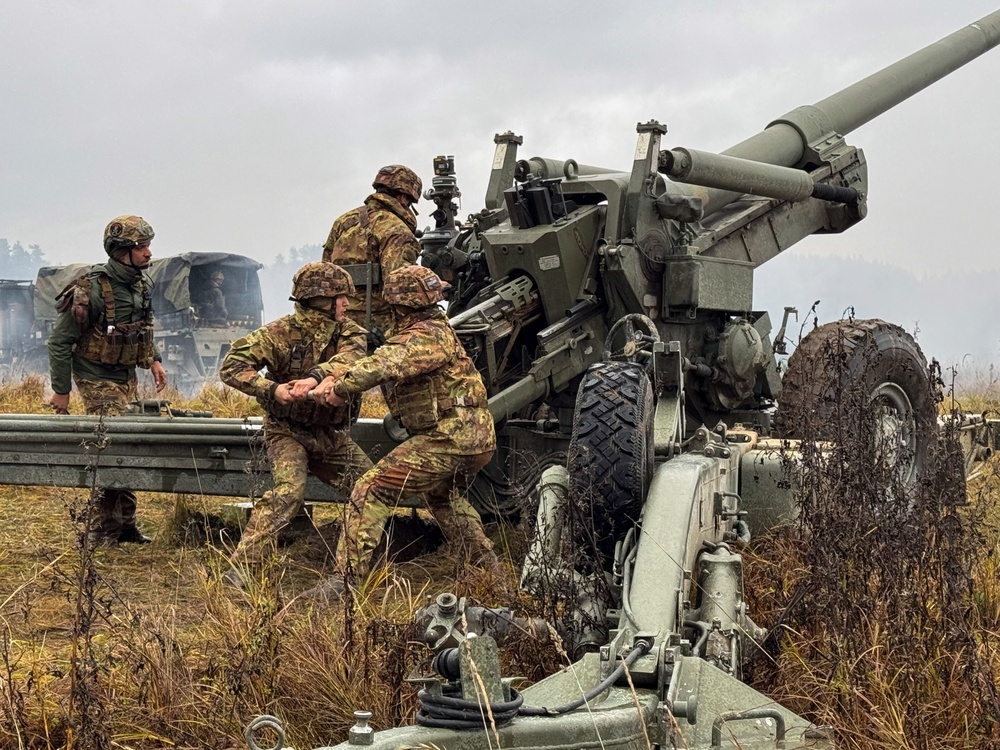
(192, 331)
(15, 327)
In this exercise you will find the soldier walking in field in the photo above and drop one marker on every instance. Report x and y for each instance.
(432, 386)
(103, 332)
(302, 436)
(374, 240)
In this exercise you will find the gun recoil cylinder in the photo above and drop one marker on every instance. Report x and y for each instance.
(745, 176)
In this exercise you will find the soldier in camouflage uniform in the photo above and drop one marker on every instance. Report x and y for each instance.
(213, 307)
(434, 389)
(301, 435)
(103, 332)
(373, 241)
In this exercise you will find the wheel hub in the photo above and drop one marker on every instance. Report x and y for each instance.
(896, 428)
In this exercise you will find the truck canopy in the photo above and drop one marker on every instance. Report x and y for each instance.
(178, 283)
(181, 280)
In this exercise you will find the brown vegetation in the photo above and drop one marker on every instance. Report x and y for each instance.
(142, 647)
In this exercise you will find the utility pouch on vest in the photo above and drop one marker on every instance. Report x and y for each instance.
(359, 273)
(415, 405)
(144, 358)
(75, 296)
(111, 346)
(130, 346)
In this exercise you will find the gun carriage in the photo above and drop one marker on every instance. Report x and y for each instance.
(611, 315)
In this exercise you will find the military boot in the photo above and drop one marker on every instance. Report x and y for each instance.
(97, 539)
(488, 560)
(333, 589)
(235, 578)
(132, 535)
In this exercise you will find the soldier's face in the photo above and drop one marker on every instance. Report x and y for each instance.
(141, 255)
(340, 307)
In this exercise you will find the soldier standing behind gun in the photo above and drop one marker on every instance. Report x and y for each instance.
(374, 240)
(302, 436)
(104, 330)
(434, 389)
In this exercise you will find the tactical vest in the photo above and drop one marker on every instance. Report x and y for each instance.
(308, 413)
(422, 402)
(358, 255)
(109, 341)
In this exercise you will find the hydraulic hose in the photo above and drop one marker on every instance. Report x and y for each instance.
(447, 711)
(641, 648)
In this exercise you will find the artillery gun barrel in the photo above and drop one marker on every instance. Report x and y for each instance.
(786, 141)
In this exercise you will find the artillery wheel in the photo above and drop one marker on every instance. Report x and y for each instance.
(610, 457)
(889, 366)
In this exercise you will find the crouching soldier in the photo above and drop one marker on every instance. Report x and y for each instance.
(301, 435)
(432, 386)
(103, 332)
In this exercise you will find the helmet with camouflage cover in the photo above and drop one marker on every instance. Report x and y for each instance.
(126, 232)
(414, 286)
(321, 279)
(400, 179)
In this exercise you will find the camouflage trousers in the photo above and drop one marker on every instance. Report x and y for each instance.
(414, 469)
(113, 509)
(337, 461)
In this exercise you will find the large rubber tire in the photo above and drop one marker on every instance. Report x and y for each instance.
(887, 364)
(610, 456)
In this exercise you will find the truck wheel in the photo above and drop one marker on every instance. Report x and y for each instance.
(892, 373)
(610, 457)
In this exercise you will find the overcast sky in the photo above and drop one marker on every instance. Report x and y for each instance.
(248, 125)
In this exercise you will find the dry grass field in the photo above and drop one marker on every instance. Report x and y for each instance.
(142, 647)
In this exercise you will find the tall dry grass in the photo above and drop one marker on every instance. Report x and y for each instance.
(883, 598)
(171, 658)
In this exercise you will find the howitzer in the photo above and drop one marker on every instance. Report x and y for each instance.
(611, 314)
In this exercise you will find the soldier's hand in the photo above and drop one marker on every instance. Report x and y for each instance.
(332, 399)
(282, 394)
(159, 375)
(299, 389)
(60, 402)
(318, 392)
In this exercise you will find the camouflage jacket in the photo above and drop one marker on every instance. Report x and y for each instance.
(65, 360)
(289, 348)
(390, 243)
(430, 383)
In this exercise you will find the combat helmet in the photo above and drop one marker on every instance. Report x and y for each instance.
(414, 286)
(399, 178)
(320, 279)
(126, 232)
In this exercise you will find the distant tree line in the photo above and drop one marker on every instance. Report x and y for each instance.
(18, 263)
